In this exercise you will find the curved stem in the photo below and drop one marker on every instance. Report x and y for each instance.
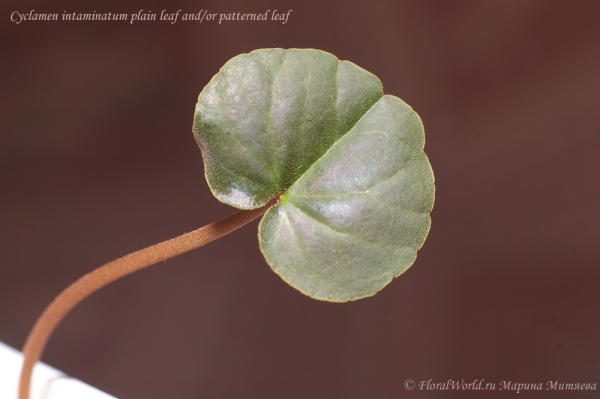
(106, 274)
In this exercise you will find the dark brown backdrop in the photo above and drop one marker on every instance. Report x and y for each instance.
(97, 159)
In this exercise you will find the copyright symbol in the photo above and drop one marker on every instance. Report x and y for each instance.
(409, 385)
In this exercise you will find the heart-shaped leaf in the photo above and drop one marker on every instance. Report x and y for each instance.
(347, 162)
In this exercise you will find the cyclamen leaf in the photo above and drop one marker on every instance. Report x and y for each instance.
(355, 186)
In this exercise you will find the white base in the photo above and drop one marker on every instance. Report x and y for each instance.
(47, 382)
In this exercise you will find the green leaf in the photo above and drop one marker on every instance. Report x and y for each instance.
(347, 162)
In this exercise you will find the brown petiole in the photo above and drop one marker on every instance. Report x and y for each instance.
(106, 274)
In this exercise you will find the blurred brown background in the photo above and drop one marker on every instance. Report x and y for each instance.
(97, 159)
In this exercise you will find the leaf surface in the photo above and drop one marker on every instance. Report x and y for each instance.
(355, 186)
